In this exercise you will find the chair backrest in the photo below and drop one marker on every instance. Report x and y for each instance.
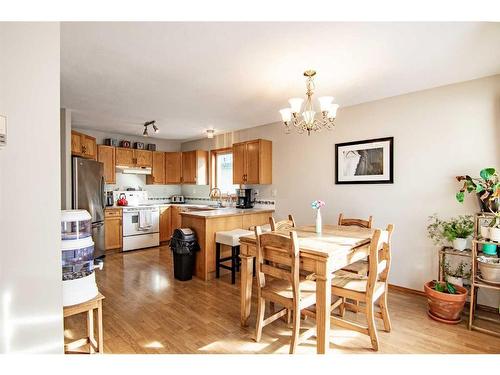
(283, 224)
(277, 256)
(355, 222)
(380, 257)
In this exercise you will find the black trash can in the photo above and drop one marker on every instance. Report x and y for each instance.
(184, 247)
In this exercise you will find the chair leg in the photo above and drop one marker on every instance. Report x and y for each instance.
(237, 259)
(372, 329)
(261, 309)
(385, 312)
(296, 329)
(342, 308)
(217, 260)
(233, 264)
(271, 307)
(289, 316)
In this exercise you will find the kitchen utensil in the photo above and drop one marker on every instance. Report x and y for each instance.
(122, 200)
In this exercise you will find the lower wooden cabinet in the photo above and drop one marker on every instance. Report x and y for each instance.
(113, 236)
(165, 223)
(176, 219)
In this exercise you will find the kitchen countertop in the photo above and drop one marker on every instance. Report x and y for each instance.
(229, 211)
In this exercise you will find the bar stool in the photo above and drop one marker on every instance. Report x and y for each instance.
(230, 238)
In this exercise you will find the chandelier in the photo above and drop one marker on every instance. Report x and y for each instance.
(307, 121)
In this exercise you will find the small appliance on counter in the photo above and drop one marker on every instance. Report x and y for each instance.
(109, 198)
(77, 250)
(244, 198)
(177, 199)
(122, 200)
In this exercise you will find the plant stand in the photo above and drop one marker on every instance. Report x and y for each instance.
(476, 283)
(443, 252)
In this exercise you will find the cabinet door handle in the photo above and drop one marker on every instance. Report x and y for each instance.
(84, 149)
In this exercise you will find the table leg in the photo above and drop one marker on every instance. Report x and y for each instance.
(246, 288)
(100, 330)
(323, 303)
(90, 329)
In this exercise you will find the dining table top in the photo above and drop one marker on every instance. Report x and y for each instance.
(332, 240)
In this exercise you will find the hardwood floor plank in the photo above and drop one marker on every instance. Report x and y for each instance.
(147, 311)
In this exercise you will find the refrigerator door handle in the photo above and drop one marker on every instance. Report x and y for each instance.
(103, 205)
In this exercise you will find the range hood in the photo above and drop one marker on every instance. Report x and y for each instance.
(133, 170)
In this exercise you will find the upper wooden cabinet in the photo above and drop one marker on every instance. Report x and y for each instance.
(124, 156)
(173, 167)
(143, 158)
(133, 158)
(252, 162)
(83, 145)
(195, 167)
(106, 155)
(157, 170)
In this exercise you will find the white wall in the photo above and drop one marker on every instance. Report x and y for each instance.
(438, 134)
(30, 190)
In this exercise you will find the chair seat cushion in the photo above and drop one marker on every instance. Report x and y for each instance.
(284, 289)
(351, 281)
(231, 237)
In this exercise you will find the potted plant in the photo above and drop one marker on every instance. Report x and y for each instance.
(445, 301)
(456, 230)
(487, 188)
(489, 268)
(458, 276)
(495, 228)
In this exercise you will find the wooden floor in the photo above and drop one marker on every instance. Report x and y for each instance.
(147, 311)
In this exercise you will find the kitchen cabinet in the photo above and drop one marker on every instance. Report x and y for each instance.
(157, 170)
(173, 167)
(143, 158)
(83, 145)
(165, 223)
(113, 236)
(176, 219)
(106, 155)
(252, 162)
(124, 156)
(130, 157)
(195, 167)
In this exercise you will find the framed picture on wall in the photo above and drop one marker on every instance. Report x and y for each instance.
(365, 162)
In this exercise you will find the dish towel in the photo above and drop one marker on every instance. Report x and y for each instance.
(145, 219)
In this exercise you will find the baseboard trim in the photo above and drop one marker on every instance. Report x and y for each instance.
(403, 289)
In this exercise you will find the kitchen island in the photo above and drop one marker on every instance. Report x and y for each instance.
(206, 223)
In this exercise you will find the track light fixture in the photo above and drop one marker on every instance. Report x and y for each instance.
(148, 123)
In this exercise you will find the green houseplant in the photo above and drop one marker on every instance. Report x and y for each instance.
(458, 275)
(445, 301)
(455, 230)
(487, 188)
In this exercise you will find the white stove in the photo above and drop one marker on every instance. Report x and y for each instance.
(141, 221)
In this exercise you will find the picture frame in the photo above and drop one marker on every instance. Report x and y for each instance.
(370, 161)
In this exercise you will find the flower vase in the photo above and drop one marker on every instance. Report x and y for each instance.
(318, 221)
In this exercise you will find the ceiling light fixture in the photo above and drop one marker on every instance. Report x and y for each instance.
(307, 121)
(210, 133)
(146, 124)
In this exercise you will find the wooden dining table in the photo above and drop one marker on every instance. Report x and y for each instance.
(321, 254)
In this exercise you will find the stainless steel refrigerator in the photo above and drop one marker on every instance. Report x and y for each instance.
(88, 194)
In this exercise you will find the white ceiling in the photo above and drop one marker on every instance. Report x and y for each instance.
(192, 76)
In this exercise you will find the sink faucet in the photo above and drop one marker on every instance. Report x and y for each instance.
(215, 193)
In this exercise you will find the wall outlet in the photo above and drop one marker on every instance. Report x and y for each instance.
(274, 193)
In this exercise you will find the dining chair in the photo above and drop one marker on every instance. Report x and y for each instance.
(279, 281)
(283, 224)
(367, 289)
(361, 266)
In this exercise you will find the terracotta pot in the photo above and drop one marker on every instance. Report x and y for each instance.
(445, 306)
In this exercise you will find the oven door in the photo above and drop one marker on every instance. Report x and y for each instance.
(131, 222)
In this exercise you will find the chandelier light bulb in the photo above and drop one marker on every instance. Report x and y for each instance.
(286, 114)
(332, 112)
(308, 117)
(296, 104)
(156, 129)
(325, 103)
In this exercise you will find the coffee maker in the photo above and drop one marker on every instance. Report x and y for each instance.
(244, 198)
